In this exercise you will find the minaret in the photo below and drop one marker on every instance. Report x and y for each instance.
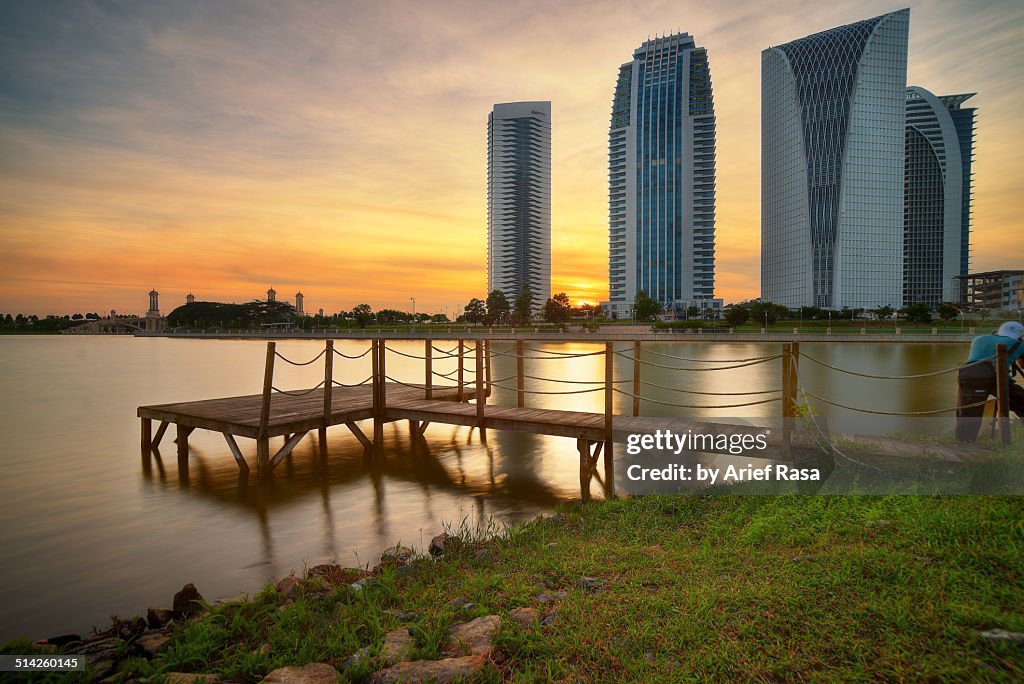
(321, 312)
(271, 295)
(154, 321)
(298, 304)
(190, 298)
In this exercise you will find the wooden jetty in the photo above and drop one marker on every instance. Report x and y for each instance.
(293, 414)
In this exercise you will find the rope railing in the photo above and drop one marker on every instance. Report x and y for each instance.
(572, 355)
(358, 384)
(693, 406)
(889, 413)
(546, 358)
(297, 393)
(764, 359)
(715, 394)
(572, 382)
(526, 391)
(448, 352)
(357, 356)
(400, 353)
(684, 358)
(298, 363)
(445, 375)
(883, 377)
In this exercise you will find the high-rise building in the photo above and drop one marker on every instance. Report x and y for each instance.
(832, 166)
(661, 179)
(937, 201)
(519, 199)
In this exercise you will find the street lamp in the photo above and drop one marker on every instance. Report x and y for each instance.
(413, 300)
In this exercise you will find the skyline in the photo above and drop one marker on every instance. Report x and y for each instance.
(224, 149)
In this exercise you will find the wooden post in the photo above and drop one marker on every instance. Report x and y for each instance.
(583, 446)
(520, 376)
(328, 383)
(609, 458)
(636, 378)
(481, 398)
(147, 437)
(487, 364)
(459, 376)
(378, 424)
(183, 433)
(428, 365)
(382, 346)
(262, 440)
(1003, 393)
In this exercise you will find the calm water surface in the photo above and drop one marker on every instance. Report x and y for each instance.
(88, 532)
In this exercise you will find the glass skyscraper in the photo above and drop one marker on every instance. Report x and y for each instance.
(661, 179)
(519, 199)
(937, 214)
(832, 166)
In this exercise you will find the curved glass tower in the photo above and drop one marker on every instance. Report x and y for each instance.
(832, 136)
(519, 199)
(937, 216)
(661, 179)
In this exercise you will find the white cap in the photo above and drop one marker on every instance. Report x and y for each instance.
(1011, 329)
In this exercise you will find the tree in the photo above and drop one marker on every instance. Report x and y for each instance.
(557, 309)
(362, 314)
(645, 308)
(475, 311)
(811, 313)
(77, 317)
(918, 313)
(497, 307)
(693, 311)
(983, 313)
(439, 318)
(737, 314)
(760, 311)
(947, 311)
(524, 305)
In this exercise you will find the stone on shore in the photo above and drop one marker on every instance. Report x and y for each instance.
(398, 645)
(444, 543)
(527, 618)
(152, 643)
(1003, 635)
(473, 637)
(185, 601)
(311, 673)
(397, 556)
(157, 617)
(191, 678)
(289, 587)
(444, 671)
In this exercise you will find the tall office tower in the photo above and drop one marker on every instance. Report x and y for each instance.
(937, 203)
(519, 199)
(661, 179)
(832, 137)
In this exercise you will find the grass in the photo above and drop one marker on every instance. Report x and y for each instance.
(756, 588)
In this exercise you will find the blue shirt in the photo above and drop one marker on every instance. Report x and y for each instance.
(984, 347)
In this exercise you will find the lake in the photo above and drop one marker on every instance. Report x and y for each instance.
(89, 532)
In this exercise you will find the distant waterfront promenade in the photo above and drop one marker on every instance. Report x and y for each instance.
(905, 335)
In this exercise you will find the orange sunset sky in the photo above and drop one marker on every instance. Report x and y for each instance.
(339, 148)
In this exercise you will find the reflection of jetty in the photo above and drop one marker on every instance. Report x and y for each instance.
(382, 398)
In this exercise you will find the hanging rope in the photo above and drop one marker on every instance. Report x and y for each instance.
(298, 393)
(358, 384)
(692, 406)
(547, 358)
(296, 363)
(889, 413)
(572, 355)
(516, 389)
(714, 394)
(883, 377)
(683, 358)
(358, 356)
(701, 370)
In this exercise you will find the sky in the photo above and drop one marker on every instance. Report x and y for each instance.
(339, 148)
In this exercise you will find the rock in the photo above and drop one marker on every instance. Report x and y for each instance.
(552, 545)
(289, 587)
(130, 628)
(444, 671)
(364, 583)
(482, 555)
(356, 658)
(592, 584)
(185, 601)
(527, 618)
(157, 617)
(553, 596)
(190, 678)
(444, 543)
(458, 602)
(311, 673)
(237, 598)
(801, 559)
(263, 649)
(473, 637)
(1004, 636)
(102, 646)
(878, 524)
(397, 556)
(152, 643)
(548, 620)
(397, 646)
(402, 615)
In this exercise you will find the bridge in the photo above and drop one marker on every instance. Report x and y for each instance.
(455, 398)
(118, 325)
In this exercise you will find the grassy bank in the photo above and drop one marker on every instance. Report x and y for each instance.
(686, 588)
